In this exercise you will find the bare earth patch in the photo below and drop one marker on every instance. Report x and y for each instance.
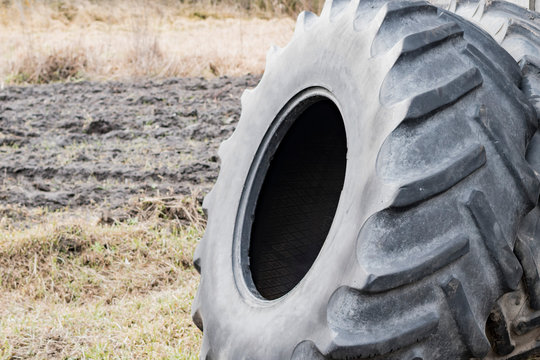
(103, 143)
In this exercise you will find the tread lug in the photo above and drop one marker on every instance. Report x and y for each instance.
(472, 334)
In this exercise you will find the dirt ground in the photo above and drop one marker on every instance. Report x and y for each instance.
(87, 143)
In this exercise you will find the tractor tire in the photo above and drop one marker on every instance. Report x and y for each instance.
(370, 197)
(515, 328)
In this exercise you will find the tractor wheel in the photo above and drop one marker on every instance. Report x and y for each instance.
(369, 199)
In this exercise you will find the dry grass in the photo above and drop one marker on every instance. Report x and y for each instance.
(44, 41)
(77, 286)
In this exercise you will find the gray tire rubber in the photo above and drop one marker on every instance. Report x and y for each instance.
(421, 246)
(516, 328)
(516, 29)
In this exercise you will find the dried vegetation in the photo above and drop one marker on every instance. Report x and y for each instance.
(78, 286)
(46, 41)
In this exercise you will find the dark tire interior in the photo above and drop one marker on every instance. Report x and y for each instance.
(298, 199)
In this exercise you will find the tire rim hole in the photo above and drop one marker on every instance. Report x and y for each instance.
(298, 198)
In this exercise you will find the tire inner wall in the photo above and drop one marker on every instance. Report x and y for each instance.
(298, 200)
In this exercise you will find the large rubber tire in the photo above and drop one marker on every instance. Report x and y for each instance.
(420, 245)
(514, 326)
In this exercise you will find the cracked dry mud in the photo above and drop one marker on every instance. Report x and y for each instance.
(92, 143)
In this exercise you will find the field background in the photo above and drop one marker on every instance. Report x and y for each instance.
(43, 41)
(96, 234)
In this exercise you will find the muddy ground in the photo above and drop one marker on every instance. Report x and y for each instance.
(91, 143)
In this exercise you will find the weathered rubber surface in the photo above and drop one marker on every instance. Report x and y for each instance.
(516, 29)
(422, 243)
(513, 326)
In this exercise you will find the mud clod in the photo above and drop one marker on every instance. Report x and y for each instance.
(99, 127)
